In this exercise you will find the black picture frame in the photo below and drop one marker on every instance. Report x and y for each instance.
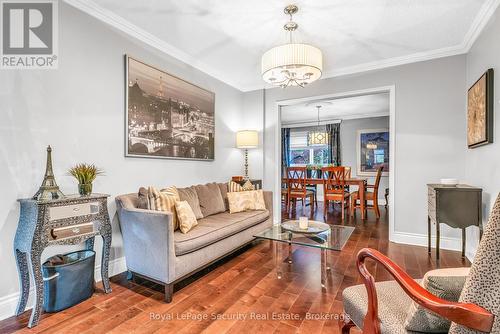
(489, 102)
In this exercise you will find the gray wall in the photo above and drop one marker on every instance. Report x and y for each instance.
(348, 139)
(429, 135)
(482, 163)
(79, 110)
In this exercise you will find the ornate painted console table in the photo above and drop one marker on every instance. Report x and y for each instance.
(66, 221)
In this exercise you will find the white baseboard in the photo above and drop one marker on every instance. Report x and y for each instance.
(448, 243)
(116, 266)
(8, 303)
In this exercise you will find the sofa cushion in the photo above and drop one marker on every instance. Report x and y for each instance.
(223, 192)
(211, 201)
(216, 227)
(189, 195)
(144, 199)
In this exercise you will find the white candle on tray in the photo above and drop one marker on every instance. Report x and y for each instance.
(303, 223)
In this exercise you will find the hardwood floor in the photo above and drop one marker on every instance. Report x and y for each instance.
(240, 290)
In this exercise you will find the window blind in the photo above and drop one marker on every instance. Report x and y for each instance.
(298, 136)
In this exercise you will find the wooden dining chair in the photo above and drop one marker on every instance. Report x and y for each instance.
(297, 187)
(334, 188)
(370, 195)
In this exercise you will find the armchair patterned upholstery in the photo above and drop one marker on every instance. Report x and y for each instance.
(382, 307)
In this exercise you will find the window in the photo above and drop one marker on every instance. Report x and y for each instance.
(301, 154)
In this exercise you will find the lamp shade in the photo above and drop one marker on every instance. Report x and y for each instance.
(292, 65)
(247, 139)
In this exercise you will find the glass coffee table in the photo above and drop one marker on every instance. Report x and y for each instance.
(333, 239)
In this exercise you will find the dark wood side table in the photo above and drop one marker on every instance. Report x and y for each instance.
(456, 206)
(66, 221)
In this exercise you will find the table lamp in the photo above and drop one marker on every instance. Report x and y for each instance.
(247, 139)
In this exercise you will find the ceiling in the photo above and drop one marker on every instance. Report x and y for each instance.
(373, 105)
(227, 38)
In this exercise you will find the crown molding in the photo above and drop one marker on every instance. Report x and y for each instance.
(108, 17)
(481, 20)
(93, 9)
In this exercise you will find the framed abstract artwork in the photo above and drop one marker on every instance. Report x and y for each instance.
(166, 117)
(373, 151)
(480, 111)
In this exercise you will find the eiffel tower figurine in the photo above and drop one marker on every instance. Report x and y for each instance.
(49, 189)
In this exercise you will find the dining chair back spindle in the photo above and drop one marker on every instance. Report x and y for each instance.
(347, 175)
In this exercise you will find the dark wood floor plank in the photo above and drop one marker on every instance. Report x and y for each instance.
(242, 288)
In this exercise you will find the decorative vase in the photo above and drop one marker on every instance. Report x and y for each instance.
(85, 189)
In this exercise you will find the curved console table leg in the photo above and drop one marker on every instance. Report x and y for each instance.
(36, 271)
(24, 280)
(106, 247)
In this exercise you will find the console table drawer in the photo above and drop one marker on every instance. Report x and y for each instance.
(71, 231)
(75, 210)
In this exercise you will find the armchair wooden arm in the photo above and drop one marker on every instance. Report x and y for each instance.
(470, 315)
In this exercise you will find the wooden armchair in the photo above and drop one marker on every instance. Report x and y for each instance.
(381, 307)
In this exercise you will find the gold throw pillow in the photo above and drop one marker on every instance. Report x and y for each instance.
(186, 216)
(246, 200)
(164, 200)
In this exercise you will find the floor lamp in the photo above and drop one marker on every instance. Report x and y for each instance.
(246, 139)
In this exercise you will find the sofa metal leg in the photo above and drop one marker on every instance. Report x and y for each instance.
(346, 324)
(169, 291)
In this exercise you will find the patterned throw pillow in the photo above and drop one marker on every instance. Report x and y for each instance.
(186, 216)
(164, 200)
(236, 187)
(443, 283)
(246, 200)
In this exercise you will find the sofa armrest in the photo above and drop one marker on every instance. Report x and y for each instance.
(268, 199)
(148, 240)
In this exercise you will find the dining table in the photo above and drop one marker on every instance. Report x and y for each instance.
(353, 181)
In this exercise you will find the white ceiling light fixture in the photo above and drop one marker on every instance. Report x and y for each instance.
(317, 137)
(292, 64)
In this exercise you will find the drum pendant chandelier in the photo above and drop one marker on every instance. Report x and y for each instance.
(292, 64)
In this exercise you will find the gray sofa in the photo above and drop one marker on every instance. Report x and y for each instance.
(153, 250)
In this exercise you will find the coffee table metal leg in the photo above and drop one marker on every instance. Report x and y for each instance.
(277, 262)
(290, 235)
(323, 268)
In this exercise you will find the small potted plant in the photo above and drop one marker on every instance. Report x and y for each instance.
(85, 174)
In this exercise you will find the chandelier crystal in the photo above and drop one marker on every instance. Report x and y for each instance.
(292, 64)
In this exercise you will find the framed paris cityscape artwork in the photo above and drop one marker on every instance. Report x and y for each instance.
(480, 111)
(167, 117)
